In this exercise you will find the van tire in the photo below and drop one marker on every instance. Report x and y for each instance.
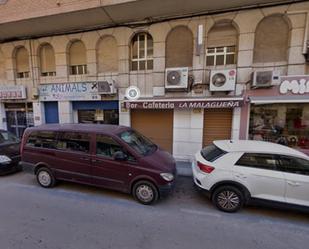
(228, 198)
(45, 178)
(145, 192)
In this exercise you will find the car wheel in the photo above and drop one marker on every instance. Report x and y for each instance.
(145, 192)
(228, 199)
(45, 178)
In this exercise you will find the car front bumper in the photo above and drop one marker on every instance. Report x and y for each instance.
(9, 168)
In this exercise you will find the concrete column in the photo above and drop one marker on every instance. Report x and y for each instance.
(124, 116)
(3, 124)
(235, 133)
(188, 133)
(38, 113)
(65, 112)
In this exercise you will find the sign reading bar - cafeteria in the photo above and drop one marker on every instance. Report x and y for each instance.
(69, 91)
(184, 104)
(12, 92)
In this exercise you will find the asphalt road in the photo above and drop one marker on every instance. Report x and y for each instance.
(81, 217)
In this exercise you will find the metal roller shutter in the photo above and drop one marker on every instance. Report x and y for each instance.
(217, 125)
(156, 125)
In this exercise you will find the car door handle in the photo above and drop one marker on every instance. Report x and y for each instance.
(294, 184)
(241, 176)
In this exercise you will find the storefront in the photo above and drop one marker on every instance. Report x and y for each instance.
(281, 114)
(17, 113)
(78, 102)
(183, 126)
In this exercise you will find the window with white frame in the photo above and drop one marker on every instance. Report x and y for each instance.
(221, 56)
(142, 52)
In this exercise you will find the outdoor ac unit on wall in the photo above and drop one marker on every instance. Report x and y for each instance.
(261, 79)
(106, 87)
(222, 80)
(176, 78)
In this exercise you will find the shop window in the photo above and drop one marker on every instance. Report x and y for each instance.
(286, 124)
(22, 63)
(47, 61)
(179, 48)
(221, 45)
(271, 40)
(107, 54)
(142, 52)
(98, 116)
(2, 66)
(77, 58)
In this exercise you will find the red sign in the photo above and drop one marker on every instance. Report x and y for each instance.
(186, 104)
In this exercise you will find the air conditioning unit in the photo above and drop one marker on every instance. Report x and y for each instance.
(261, 79)
(176, 78)
(222, 80)
(106, 87)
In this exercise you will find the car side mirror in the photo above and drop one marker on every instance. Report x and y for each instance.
(120, 156)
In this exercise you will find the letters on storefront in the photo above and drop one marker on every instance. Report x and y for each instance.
(190, 104)
(69, 91)
(294, 85)
(12, 92)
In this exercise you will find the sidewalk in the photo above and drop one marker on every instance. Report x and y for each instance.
(184, 168)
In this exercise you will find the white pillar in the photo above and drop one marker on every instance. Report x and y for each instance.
(65, 112)
(124, 116)
(236, 124)
(38, 113)
(3, 124)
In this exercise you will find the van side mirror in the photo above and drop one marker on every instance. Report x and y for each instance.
(120, 156)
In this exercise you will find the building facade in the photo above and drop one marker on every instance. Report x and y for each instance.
(240, 74)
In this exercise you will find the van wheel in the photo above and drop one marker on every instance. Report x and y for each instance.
(145, 192)
(45, 178)
(228, 199)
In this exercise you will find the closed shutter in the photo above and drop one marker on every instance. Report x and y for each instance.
(78, 54)
(156, 125)
(217, 125)
(22, 60)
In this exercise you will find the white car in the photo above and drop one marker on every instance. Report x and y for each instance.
(235, 172)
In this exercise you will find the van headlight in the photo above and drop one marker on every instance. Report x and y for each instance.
(167, 176)
(4, 159)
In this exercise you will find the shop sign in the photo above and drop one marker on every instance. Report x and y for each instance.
(294, 85)
(69, 91)
(12, 92)
(190, 104)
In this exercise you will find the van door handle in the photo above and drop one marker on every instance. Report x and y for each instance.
(85, 158)
(294, 184)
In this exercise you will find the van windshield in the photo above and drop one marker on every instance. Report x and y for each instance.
(138, 142)
(7, 137)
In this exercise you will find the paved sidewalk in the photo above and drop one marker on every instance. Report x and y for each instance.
(184, 168)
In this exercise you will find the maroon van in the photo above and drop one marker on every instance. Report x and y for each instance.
(109, 156)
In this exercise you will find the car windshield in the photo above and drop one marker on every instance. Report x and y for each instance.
(138, 142)
(7, 137)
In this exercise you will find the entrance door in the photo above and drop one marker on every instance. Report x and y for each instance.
(156, 125)
(51, 112)
(16, 122)
(217, 125)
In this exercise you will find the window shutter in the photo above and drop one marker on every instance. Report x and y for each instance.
(107, 55)
(78, 54)
(2, 66)
(22, 60)
(222, 35)
(47, 59)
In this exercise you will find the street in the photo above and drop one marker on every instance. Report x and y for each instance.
(75, 216)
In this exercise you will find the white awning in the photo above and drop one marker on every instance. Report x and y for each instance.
(279, 99)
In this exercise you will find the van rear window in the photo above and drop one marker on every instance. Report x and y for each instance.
(211, 153)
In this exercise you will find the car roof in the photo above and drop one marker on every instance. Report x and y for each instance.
(97, 128)
(251, 146)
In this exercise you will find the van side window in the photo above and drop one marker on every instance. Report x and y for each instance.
(74, 141)
(295, 165)
(261, 161)
(42, 139)
(106, 146)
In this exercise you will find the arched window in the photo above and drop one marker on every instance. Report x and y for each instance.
(222, 42)
(77, 58)
(179, 48)
(22, 63)
(47, 60)
(2, 66)
(107, 54)
(142, 52)
(271, 40)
